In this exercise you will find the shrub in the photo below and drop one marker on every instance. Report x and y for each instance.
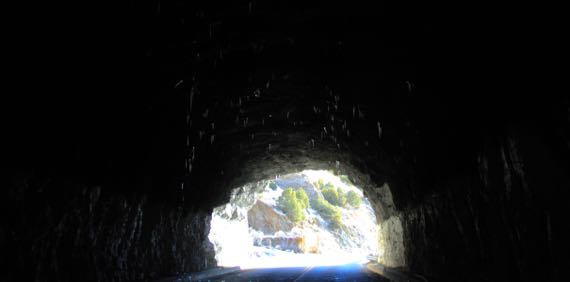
(331, 195)
(319, 184)
(302, 198)
(353, 199)
(327, 211)
(292, 207)
(341, 198)
(345, 180)
(334, 196)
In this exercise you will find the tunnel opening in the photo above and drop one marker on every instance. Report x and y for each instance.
(308, 218)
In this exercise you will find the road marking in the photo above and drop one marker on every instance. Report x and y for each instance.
(309, 268)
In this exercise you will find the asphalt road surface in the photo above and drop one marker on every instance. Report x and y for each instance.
(349, 272)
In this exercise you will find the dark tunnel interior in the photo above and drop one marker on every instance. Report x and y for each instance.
(133, 120)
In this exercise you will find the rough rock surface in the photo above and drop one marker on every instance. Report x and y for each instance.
(294, 244)
(169, 105)
(263, 217)
(296, 181)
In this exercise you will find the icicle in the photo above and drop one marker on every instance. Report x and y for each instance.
(182, 186)
(213, 126)
(267, 84)
(353, 111)
(179, 83)
(252, 136)
(379, 130)
(245, 122)
(313, 142)
(325, 129)
(315, 109)
(193, 152)
(257, 93)
(262, 121)
(212, 138)
(269, 148)
(187, 140)
(205, 114)
(287, 115)
(201, 134)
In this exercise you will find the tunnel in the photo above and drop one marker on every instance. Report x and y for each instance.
(135, 120)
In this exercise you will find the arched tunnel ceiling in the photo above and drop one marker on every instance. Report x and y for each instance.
(426, 101)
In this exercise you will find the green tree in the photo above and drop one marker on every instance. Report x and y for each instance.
(302, 198)
(345, 180)
(328, 212)
(319, 184)
(353, 199)
(292, 207)
(334, 196)
(331, 195)
(341, 197)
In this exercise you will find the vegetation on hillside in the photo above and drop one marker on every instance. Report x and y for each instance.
(327, 211)
(353, 199)
(294, 203)
(345, 180)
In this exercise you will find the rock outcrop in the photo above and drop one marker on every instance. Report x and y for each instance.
(264, 218)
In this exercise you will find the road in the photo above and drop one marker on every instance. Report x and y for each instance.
(349, 272)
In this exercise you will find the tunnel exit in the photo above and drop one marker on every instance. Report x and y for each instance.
(310, 218)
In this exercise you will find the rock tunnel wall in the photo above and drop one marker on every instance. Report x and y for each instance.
(92, 237)
(114, 175)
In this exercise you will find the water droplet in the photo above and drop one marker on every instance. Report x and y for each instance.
(379, 130)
